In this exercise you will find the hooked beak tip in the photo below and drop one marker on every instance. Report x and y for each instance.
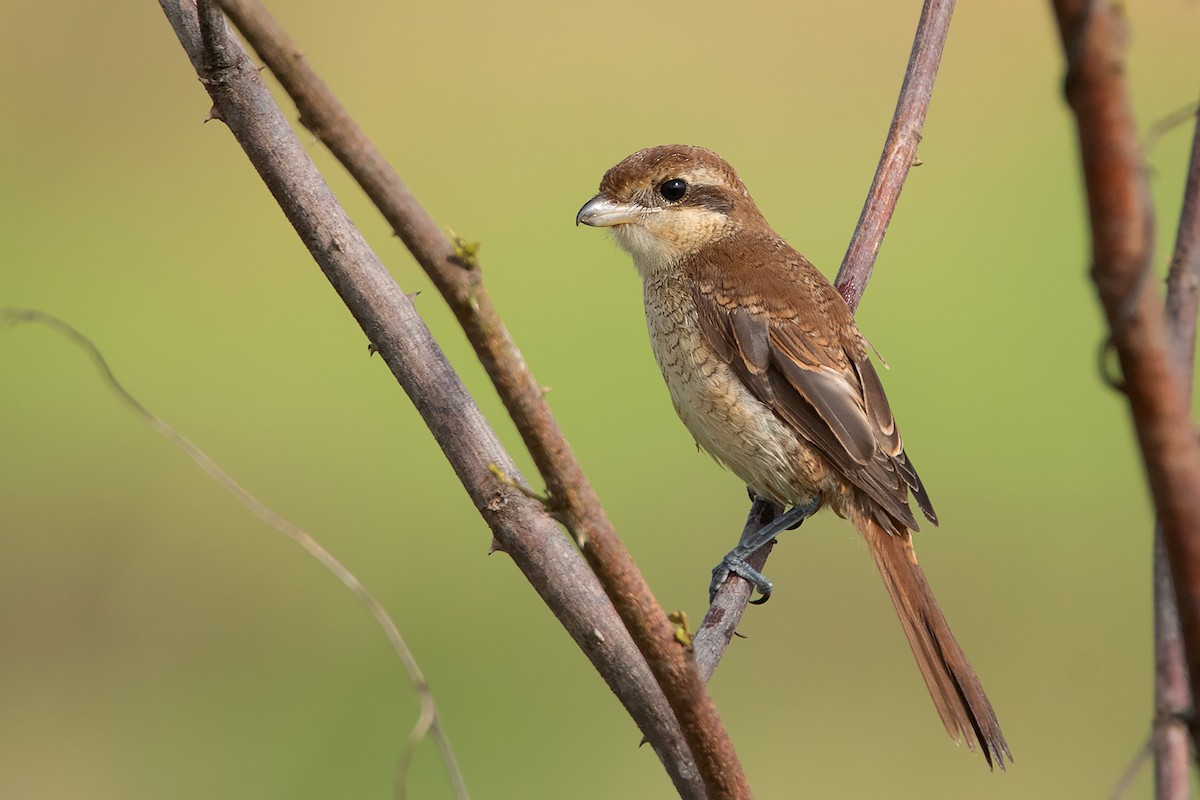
(601, 212)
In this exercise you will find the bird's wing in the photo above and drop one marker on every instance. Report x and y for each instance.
(814, 379)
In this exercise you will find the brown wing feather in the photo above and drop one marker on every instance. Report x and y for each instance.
(815, 376)
(752, 348)
(877, 406)
(857, 453)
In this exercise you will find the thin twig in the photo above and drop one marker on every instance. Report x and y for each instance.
(1183, 277)
(1125, 782)
(898, 152)
(520, 525)
(429, 721)
(1169, 742)
(1094, 35)
(1165, 125)
(1173, 702)
(573, 499)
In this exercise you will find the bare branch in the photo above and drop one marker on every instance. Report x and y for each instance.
(1172, 696)
(521, 526)
(1094, 35)
(898, 152)
(574, 500)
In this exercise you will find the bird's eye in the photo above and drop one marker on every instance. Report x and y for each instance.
(673, 190)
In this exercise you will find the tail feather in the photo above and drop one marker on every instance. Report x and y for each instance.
(956, 692)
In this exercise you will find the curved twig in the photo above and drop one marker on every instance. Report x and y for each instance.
(429, 721)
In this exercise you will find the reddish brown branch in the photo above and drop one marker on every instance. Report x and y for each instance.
(520, 525)
(455, 273)
(1172, 696)
(899, 149)
(1094, 35)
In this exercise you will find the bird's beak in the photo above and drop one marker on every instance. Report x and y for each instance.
(601, 212)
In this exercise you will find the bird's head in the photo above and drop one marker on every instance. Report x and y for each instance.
(666, 203)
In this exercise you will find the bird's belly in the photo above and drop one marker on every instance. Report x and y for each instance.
(726, 420)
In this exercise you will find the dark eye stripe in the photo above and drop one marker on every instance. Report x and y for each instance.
(713, 198)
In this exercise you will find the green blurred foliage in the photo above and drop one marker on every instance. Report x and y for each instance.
(157, 641)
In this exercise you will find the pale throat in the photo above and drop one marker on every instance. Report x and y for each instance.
(651, 255)
(666, 237)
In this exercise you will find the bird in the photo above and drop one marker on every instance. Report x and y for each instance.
(767, 369)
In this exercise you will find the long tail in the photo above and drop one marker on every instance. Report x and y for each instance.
(960, 700)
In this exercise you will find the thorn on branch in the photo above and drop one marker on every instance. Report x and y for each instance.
(1109, 368)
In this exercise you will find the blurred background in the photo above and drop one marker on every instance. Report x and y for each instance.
(158, 641)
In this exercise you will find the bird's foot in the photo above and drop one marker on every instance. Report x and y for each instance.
(752, 539)
(736, 565)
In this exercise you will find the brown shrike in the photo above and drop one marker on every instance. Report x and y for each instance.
(770, 374)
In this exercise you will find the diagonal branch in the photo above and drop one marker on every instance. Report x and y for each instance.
(520, 525)
(573, 499)
(454, 272)
(1172, 696)
(899, 150)
(1094, 36)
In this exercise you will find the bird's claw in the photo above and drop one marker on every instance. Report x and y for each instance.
(733, 565)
